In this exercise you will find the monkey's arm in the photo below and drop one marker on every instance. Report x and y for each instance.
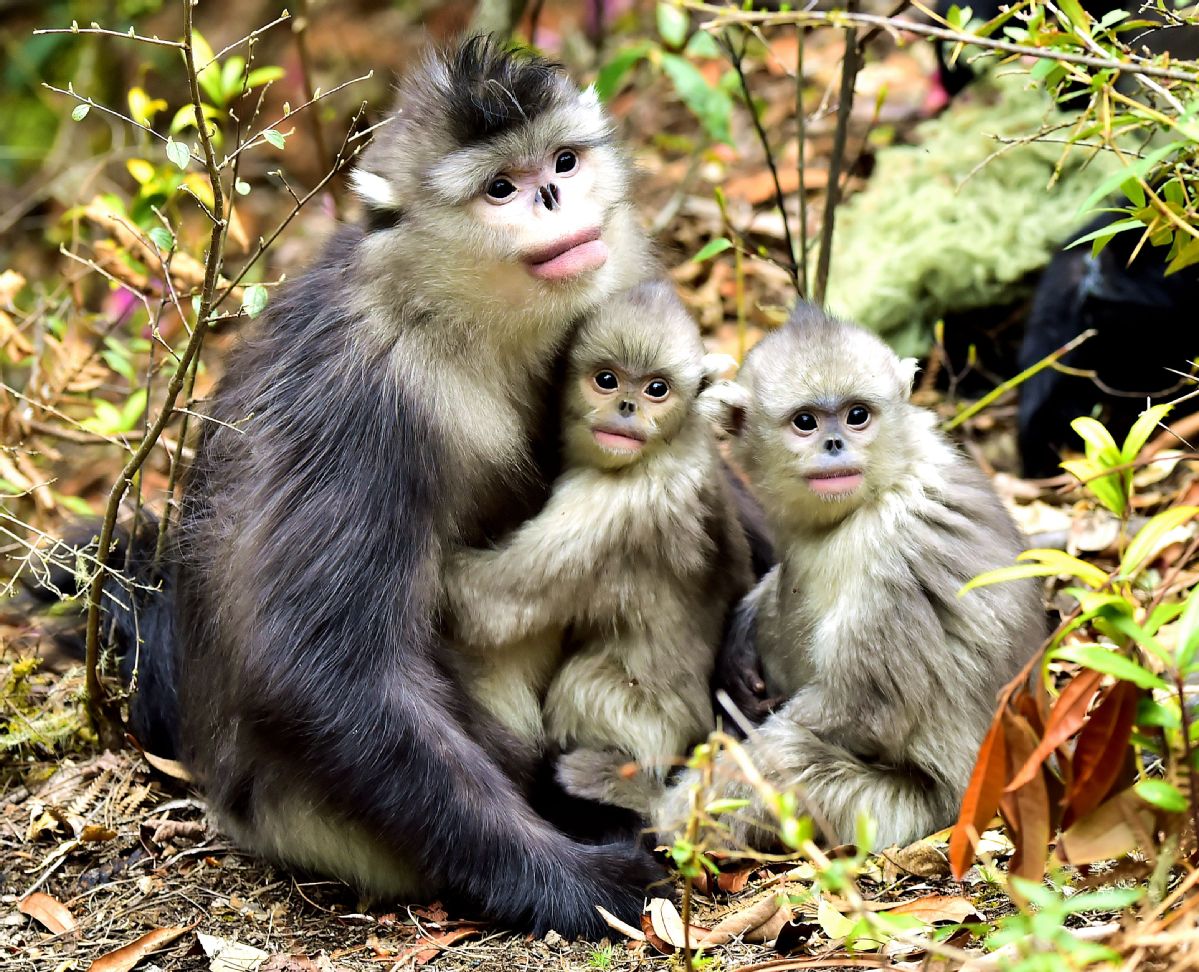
(535, 578)
(738, 664)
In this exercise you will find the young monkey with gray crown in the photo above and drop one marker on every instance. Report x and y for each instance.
(890, 678)
(634, 563)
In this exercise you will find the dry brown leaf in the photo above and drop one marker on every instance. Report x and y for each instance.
(432, 944)
(1110, 831)
(96, 834)
(623, 927)
(982, 796)
(228, 955)
(127, 956)
(922, 859)
(758, 187)
(743, 921)
(168, 830)
(663, 927)
(933, 908)
(170, 767)
(47, 911)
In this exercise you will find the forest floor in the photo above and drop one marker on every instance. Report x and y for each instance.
(106, 861)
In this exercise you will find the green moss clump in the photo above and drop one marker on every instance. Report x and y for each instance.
(930, 235)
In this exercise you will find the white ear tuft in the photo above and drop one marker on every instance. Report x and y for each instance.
(589, 97)
(717, 366)
(723, 404)
(907, 371)
(373, 189)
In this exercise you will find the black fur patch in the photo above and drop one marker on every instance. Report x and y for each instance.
(492, 88)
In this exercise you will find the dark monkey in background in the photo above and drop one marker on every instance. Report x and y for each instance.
(388, 409)
(890, 678)
(635, 561)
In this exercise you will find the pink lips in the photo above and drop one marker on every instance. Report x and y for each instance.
(838, 484)
(569, 256)
(614, 440)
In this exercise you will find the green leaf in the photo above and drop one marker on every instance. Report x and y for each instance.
(76, 504)
(210, 76)
(178, 153)
(1106, 232)
(1109, 662)
(710, 105)
(275, 137)
(1139, 434)
(1150, 537)
(1188, 255)
(1063, 563)
(1137, 170)
(711, 248)
(231, 76)
(1002, 574)
(1109, 489)
(79, 112)
(673, 24)
(255, 299)
(612, 75)
(702, 45)
(1110, 899)
(264, 75)
(132, 410)
(1162, 795)
(1188, 631)
(162, 237)
(1100, 446)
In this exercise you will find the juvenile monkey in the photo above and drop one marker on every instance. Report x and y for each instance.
(890, 677)
(636, 558)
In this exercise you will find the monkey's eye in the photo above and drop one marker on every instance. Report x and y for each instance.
(657, 390)
(566, 162)
(500, 190)
(804, 422)
(606, 381)
(857, 417)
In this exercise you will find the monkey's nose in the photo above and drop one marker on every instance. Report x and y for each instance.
(833, 444)
(549, 196)
(627, 407)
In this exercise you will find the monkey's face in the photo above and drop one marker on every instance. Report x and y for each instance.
(616, 416)
(525, 222)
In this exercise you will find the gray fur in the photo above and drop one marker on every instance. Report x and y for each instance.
(891, 678)
(640, 562)
(392, 405)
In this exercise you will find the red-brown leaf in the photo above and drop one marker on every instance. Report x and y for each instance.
(432, 944)
(1100, 759)
(48, 911)
(1026, 810)
(982, 797)
(127, 956)
(1067, 717)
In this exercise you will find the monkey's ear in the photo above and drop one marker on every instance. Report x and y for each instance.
(907, 372)
(724, 404)
(373, 189)
(716, 366)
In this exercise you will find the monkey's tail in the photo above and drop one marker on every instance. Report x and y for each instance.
(137, 619)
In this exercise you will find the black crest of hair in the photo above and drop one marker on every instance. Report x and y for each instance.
(493, 87)
(1145, 334)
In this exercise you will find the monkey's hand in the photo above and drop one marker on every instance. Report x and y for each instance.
(484, 605)
(739, 673)
(604, 776)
